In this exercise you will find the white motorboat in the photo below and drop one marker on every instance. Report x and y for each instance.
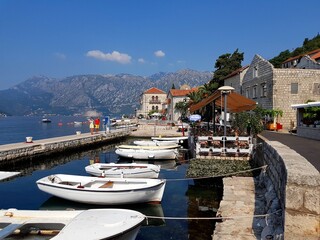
(147, 152)
(87, 224)
(154, 143)
(125, 170)
(46, 120)
(103, 191)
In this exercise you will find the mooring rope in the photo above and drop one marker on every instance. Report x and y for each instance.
(216, 176)
(214, 218)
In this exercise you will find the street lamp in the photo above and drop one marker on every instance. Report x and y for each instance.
(225, 90)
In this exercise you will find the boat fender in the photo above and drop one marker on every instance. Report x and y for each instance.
(80, 186)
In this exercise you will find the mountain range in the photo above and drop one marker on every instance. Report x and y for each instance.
(109, 94)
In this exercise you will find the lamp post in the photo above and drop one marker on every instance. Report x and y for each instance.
(225, 90)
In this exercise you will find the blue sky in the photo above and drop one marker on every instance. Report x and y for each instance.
(60, 38)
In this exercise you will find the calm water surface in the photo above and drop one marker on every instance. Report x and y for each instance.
(182, 198)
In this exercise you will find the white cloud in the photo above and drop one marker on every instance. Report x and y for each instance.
(60, 56)
(115, 56)
(141, 60)
(159, 53)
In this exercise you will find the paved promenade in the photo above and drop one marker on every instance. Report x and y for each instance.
(308, 148)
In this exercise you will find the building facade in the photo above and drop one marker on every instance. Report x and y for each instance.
(279, 88)
(152, 100)
(173, 97)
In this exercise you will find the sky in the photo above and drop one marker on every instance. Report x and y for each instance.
(61, 38)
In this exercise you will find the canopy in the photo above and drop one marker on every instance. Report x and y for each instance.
(235, 102)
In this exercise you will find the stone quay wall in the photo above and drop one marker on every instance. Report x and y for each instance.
(296, 183)
(49, 146)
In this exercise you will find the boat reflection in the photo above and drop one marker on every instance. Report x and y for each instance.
(149, 210)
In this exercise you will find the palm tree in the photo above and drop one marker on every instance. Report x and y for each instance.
(194, 97)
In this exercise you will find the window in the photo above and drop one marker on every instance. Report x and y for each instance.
(316, 88)
(248, 92)
(294, 88)
(254, 92)
(255, 71)
(263, 90)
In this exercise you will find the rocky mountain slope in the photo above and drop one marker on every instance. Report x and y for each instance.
(110, 94)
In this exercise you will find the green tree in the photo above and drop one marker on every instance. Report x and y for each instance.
(182, 108)
(226, 64)
(194, 97)
(307, 46)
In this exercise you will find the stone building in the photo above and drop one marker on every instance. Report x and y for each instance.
(310, 60)
(279, 88)
(151, 100)
(235, 78)
(174, 96)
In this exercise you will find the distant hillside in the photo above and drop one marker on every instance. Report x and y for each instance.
(110, 94)
(307, 46)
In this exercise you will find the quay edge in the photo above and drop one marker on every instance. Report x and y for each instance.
(45, 147)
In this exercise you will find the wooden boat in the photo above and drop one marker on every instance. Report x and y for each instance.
(147, 152)
(125, 170)
(154, 143)
(103, 191)
(87, 224)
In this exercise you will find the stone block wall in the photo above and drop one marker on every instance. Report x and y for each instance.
(297, 186)
(53, 145)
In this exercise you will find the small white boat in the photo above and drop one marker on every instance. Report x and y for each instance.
(125, 170)
(46, 120)
(147, 154)
(87, 224)
(165, 147)
(176, 139)
(103, 191)
(154, 143)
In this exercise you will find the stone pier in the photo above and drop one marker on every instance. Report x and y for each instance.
(43, 147)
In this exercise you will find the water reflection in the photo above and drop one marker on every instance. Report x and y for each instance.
(182, 198)
(152, 210)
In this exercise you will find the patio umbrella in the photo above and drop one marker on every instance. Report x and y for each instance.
(194, 117)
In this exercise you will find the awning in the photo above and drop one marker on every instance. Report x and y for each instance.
(235, 102)
(306, 105)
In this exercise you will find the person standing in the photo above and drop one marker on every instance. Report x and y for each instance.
(97, 124)
(91, 125)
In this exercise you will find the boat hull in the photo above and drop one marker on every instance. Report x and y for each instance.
(103, 191)
(130, 170)
(147, 154)
(88, 224)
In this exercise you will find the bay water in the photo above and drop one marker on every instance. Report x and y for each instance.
(183, 198)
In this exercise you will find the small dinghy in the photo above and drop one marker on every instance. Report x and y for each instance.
(88, 224)
(147, 152)
(125, 170)
(103, 191)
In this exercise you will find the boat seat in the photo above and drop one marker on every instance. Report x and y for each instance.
(107, 185)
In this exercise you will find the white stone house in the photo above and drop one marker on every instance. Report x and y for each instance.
(151, 100)
(173, 97)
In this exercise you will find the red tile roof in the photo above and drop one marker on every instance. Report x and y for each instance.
(181, 93)
(154, 91)
(312, 55)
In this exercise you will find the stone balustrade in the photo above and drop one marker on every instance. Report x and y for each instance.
(297, 185)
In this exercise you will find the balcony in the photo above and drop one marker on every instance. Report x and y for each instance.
(154, 102)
